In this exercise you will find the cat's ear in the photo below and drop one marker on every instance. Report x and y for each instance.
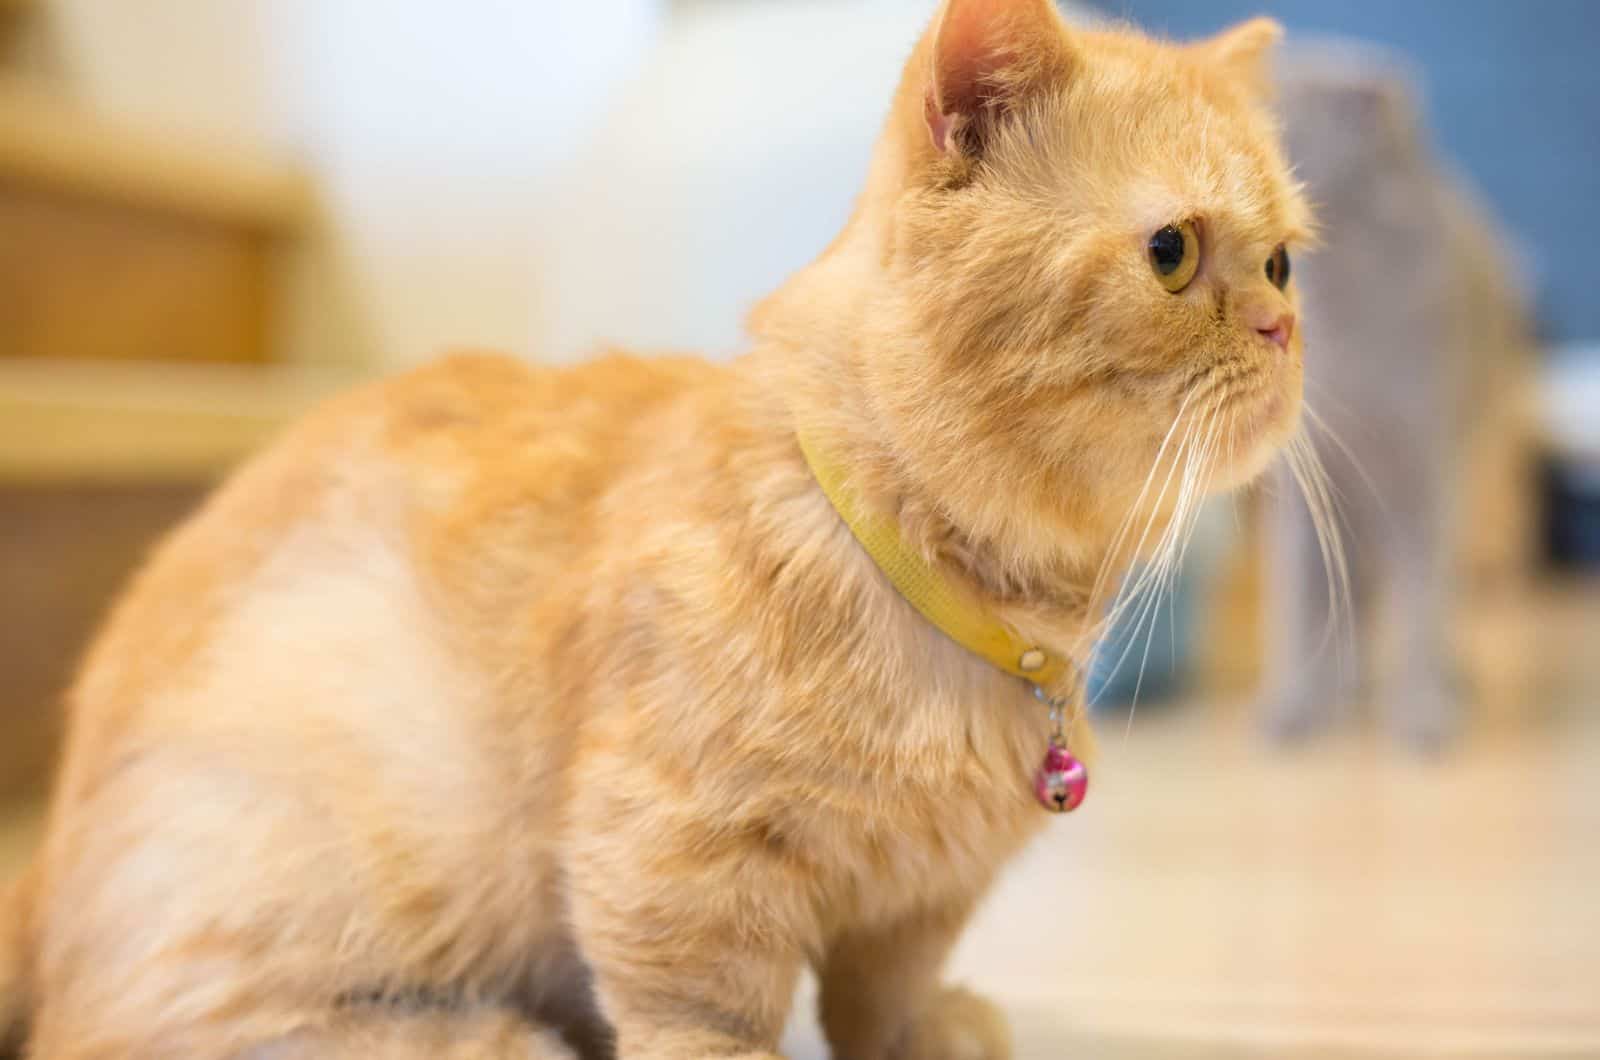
(984, 57)
(1245, 50)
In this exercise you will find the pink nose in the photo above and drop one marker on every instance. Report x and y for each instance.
(1278, 331)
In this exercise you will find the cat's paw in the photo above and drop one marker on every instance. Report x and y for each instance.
(1294, 715)
(1425, 713)
(959, 1025)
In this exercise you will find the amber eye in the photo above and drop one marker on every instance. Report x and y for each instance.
(1278, 267)
(1175, 255)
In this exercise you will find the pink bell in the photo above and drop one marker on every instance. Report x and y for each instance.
(1061, 782)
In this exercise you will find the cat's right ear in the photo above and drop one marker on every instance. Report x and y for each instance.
(985, 57)
(1244, 51)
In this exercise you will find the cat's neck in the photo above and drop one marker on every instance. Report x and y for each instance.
(814, 335)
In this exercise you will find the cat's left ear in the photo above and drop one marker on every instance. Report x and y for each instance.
(1245, 51)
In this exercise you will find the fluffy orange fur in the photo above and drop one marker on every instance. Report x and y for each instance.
(496, 697)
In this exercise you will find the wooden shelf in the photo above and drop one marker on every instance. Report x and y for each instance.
(45, 141)
(134, 422)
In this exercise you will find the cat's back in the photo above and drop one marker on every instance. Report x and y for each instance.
(556, 437)
(370, 543)
(454, 447)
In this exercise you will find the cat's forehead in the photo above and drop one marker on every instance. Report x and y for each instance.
(1227, 172)
(1159, 145)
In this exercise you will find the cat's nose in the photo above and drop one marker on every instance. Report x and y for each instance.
(1276, 329)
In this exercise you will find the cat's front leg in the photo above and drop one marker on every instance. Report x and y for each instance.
(696, 931)
(882, 997)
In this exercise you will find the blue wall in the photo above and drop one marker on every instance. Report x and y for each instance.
(1513, 92)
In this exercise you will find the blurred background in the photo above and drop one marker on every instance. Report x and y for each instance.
(1360, 822)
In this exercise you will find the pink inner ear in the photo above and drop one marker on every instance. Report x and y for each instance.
(938, 121)
(976, 39)
(971, 45)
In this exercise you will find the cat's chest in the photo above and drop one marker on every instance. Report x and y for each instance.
(932, 827)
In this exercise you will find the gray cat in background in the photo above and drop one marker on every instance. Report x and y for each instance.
(1416, 348)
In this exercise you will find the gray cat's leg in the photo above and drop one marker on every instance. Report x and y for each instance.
(1313, 664)
(1420, 698)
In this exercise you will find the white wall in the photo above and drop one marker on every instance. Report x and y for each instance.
(543, 176)
(730, 161)
(430, 129)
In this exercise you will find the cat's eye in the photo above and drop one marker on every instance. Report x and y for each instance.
(1175, 255)
(1278, 267)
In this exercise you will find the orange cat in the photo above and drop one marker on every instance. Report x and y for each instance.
(495, 698)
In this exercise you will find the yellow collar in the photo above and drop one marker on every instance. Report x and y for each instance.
(954, 612)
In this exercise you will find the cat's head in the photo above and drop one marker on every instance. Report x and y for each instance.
(1069, 237)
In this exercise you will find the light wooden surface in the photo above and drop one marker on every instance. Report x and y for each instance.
(124, 243)
(87, 278)
(99, 422)
(1216, 898)
(49, 142)
(12, 14)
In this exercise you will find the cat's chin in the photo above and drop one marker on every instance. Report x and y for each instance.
(1267, 427)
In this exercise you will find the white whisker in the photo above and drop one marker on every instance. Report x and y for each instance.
(1328, 432)
(1145, 591)
(1129, 594)
(1309, 474)
(1180, 530)
(1127, 520)
(1126, 594)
